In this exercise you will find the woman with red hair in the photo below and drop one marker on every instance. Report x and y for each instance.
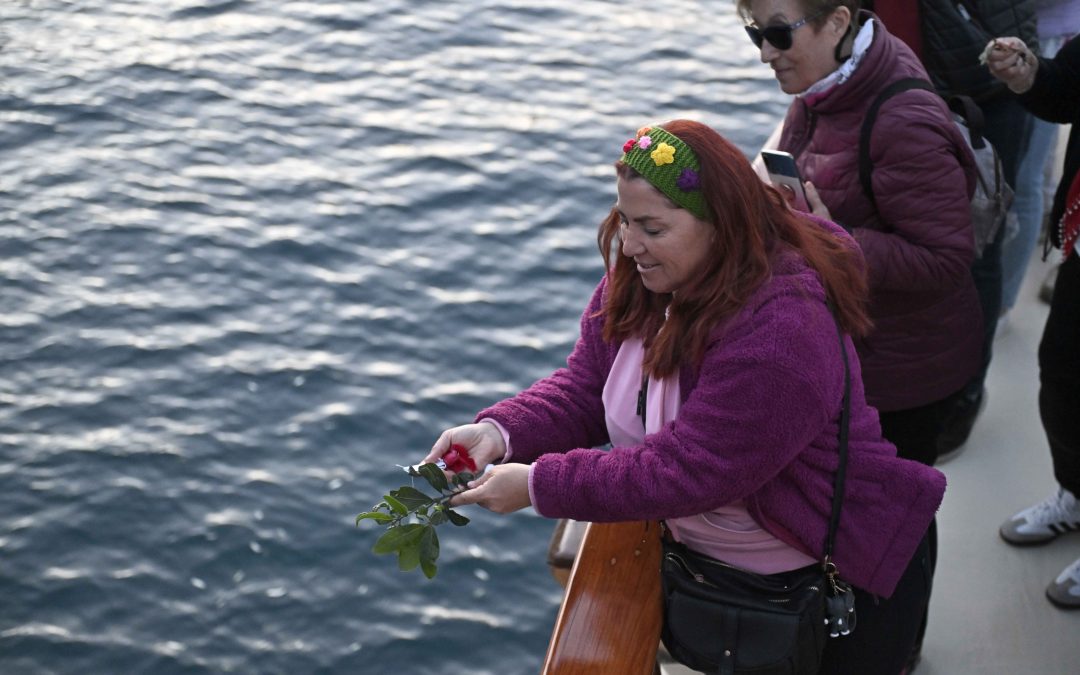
(710, 362)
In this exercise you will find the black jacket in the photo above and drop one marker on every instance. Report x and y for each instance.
(952, 42)
(1055, 97)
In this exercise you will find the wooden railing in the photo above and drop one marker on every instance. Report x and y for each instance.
(609, 622)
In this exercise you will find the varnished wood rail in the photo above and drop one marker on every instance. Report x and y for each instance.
(609, 622)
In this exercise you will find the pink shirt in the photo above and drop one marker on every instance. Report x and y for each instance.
(727, 533)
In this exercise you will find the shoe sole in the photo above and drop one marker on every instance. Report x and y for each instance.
(1030, 543)
(944, 457)
(1073, 603)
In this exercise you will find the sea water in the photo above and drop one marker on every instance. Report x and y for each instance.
(255, 254)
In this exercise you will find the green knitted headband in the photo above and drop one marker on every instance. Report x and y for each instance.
(670, 165)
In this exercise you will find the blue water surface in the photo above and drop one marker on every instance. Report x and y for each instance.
(257, 253)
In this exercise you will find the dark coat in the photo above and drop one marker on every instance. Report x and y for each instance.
(918, 243)
(1055, 97)
(952, 43)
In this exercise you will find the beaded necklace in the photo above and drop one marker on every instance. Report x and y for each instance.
(1069, 225)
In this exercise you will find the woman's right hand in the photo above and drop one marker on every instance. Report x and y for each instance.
(483, 441)
(1010, 61)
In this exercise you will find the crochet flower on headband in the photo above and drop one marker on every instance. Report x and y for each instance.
(670, 166)
(688, 180)
(663, 154)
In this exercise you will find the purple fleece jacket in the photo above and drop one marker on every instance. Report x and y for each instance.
(759, 421)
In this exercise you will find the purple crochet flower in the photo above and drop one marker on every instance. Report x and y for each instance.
(688, 180)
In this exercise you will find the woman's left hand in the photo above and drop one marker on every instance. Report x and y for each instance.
(502, 489)
(817, 207)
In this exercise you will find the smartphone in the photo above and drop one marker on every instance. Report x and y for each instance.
(785, 175)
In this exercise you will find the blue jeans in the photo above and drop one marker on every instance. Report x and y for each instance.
(1029, 202)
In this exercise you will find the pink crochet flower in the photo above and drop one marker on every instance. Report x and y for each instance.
(644, 142)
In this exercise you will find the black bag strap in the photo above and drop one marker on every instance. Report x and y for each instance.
(964, 106)
(974, 120)
(845, 423)
(643, 399)
(865, 166)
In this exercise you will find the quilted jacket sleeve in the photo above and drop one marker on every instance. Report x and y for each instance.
(922, 187)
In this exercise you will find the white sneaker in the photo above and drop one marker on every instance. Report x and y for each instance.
(1054, 516)
(1065, 590)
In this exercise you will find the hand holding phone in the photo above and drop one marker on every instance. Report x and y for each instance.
(785, 176)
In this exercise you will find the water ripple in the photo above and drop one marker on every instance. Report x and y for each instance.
(255, 256)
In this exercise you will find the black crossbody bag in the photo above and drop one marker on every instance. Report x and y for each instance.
(722, 619)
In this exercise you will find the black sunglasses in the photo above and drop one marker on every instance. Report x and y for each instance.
(778, 35)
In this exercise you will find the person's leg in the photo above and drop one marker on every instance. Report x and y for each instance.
(930, 566)
(885, 628)
(1028, 206)
(914, 431)
(1059, 402)
(1007, 127)
(1059, 376)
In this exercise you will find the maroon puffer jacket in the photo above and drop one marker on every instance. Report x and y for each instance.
(918, 243)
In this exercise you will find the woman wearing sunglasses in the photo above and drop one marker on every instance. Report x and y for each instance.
(916, 234)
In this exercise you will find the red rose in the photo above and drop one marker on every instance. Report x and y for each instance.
(457, 459)
(629, 145)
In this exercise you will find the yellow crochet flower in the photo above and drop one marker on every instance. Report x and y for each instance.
(663, 154)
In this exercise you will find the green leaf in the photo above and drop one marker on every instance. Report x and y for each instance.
(397, 537)
(429, 551)
(456, 518)
(439, 517)
(396, 506)
(409, 556)
(377, 516)
(429, 544)
(410, 497)
(434, 476)
(461, 479)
